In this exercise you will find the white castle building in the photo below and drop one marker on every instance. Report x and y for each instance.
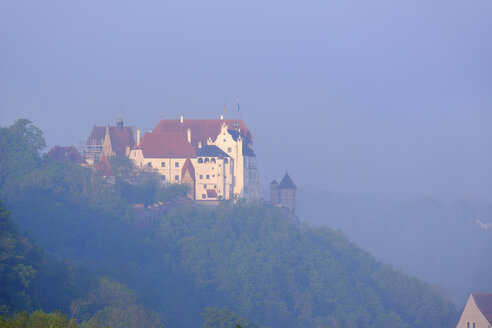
(214, 157)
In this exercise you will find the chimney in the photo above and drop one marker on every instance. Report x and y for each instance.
(181, 119)
(189, 136)
(199, 144)
(138, 137)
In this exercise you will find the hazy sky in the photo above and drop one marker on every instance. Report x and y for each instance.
(386, 98)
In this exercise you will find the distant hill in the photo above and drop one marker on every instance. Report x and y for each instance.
(445, 243)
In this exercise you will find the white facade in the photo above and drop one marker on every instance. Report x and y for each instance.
(246, 182)
(230, 170)
(214, 173)
(170, 169)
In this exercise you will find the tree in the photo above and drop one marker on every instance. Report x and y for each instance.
(20, 147)
(224, 318)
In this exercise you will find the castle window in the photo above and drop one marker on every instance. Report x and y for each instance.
(176, 164)
(205, 186)
(208, 176)
(200, 160)
(201, 176)
(226, 160)
(176, 178)
(224, 139)
(163, 177)
(149, 164)
(163, 164)
(212, 160)
(204, 196)
(206, 160)
(229, 150)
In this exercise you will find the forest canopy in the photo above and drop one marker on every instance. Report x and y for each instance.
(184, 266)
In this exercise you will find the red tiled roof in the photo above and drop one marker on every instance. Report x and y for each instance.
(103, 167)
(188, 166)
(165, 145)
(120, 139)
(211, 193)
(484, 303)
(201, 130)
(60, 153)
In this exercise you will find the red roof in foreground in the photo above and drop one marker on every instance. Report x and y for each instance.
(484, 303)
(120, 138)
(211, 193)
(165, 145)
(103, 167)
(60, 153)
(201, 130)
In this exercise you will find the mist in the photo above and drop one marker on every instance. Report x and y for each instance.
(383, 98)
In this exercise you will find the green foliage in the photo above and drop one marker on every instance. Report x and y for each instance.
(112, 304)
(20, 146)
(283, 275)
(37, 319)
(225, 318)
(245, 256)
(25, 272)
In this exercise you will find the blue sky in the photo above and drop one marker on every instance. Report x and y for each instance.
(383, 98)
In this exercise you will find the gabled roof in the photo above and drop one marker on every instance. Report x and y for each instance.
(484, 304)
(286, 183)
(120, 138)
(165, 145)
(103, 167)
(211, 151)
(188, 166)
(60, 153)
(201, 130)
(274, 182)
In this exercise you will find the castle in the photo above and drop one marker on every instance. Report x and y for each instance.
(214, 157)
(284, 194)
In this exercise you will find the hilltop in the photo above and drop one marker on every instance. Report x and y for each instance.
(244, 256)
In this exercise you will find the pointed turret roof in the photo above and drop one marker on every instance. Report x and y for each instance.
(103, 167)
(286, 183)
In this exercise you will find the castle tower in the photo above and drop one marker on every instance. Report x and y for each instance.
(119, 123)
(274, 192)
(287, 194)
